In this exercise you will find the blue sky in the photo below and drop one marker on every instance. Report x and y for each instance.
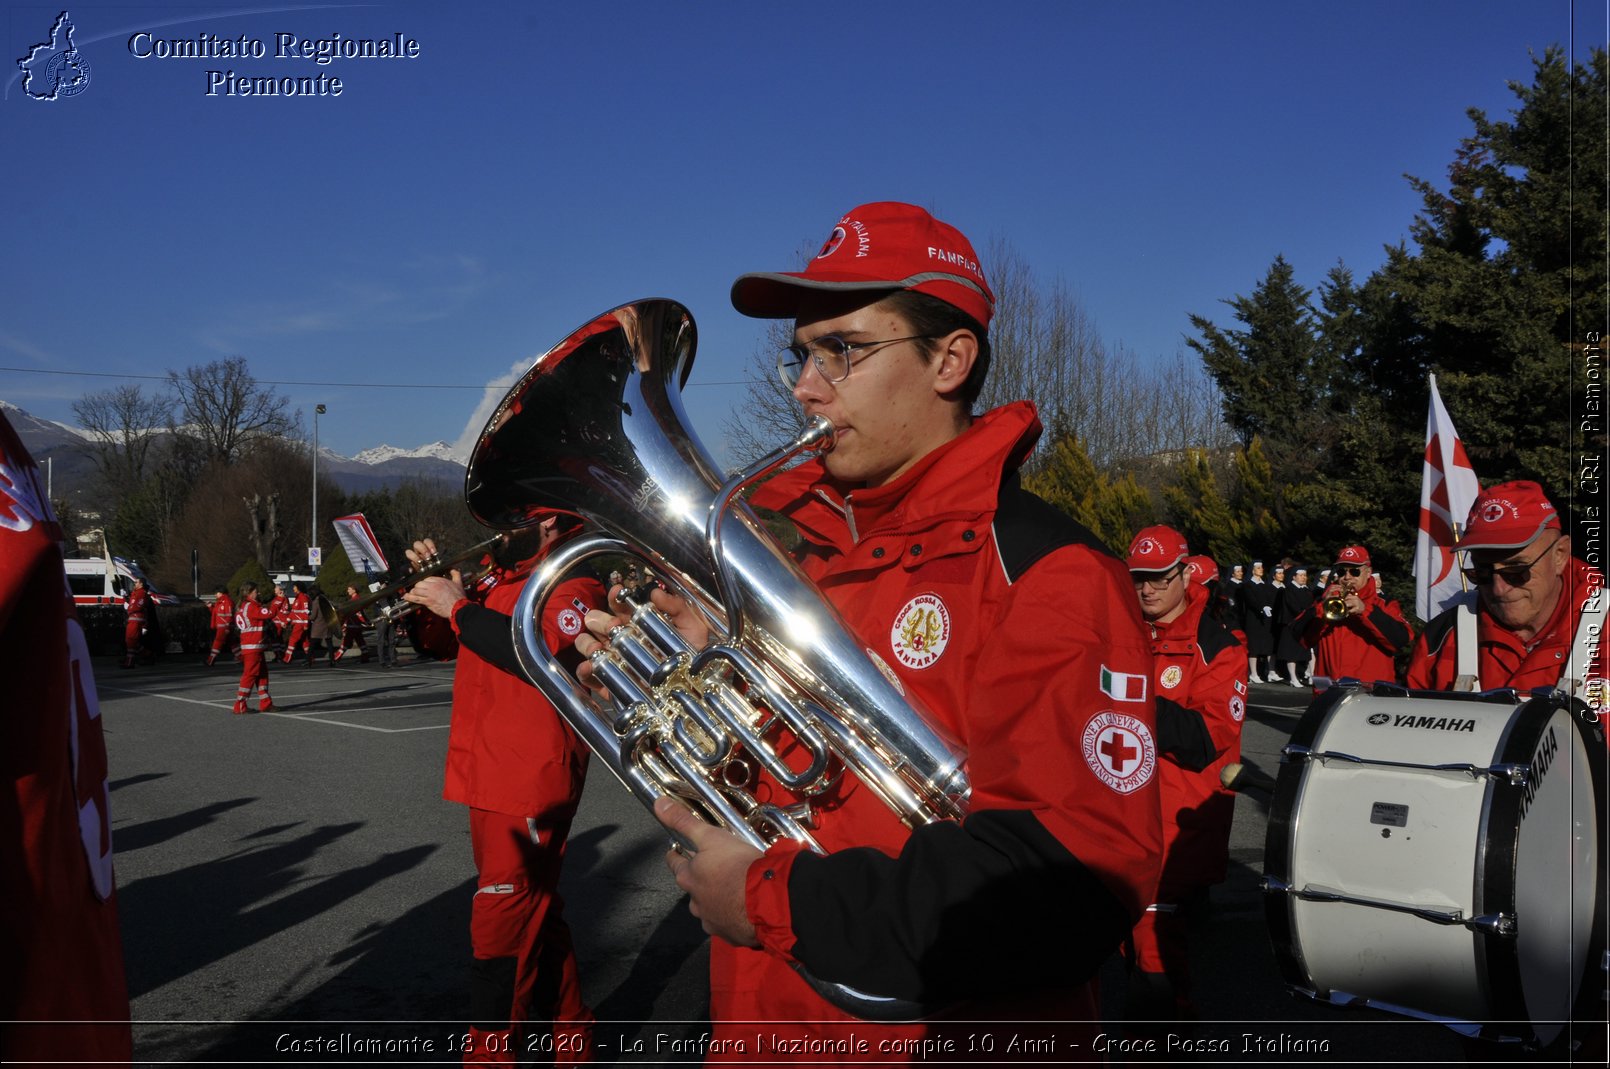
(447, 218)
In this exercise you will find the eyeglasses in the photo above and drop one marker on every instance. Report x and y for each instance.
(1513, 574)
(1157, 582)
(1352, 570)
(832, 355)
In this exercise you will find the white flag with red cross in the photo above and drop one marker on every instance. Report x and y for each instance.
(1448, 488)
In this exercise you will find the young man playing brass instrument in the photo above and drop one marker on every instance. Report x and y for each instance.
(1011, 622)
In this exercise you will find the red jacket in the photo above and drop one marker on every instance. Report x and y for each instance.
(300, 612)
(1042, 673)
(1502, 660)
(135, 602)
(508, 750)
(250, 619)
(223, 612)
(1363, 647)
(1201, 671)
(279, 606)
(58, 900)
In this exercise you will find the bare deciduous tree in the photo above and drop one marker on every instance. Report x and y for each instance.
(124, 424)
(220, 405)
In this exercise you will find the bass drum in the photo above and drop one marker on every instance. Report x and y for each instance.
(1442, 856)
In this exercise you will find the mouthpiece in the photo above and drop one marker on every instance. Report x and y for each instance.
(818, 437)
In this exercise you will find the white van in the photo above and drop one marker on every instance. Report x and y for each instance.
(98, 581)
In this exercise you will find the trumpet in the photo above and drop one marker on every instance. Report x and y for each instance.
(1334, 607)
(435, 564)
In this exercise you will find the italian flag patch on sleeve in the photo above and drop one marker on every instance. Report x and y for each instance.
(1121, 686)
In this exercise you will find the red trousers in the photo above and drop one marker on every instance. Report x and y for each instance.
(220, 639)
(131, 640)
(527, 1000)
(254, 673)
(297, 641)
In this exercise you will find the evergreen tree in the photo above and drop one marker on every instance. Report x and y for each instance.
(1112, 508)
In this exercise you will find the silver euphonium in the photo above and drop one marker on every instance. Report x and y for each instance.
(596, 429)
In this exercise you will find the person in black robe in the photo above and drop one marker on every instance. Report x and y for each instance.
(1289, 650)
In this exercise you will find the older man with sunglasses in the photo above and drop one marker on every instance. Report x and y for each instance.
(1363, 640)
(1530, 597)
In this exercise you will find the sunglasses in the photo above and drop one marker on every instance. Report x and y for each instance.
(1352, 570)
(1513, 574)
(1157, 582)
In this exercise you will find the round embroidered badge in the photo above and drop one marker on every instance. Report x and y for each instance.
(1171, 676)
(1119, 750)
(888, 673)
(570, 621)
(1238, 708)
(921, 631)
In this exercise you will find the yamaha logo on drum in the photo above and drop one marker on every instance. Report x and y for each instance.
(1427, 723)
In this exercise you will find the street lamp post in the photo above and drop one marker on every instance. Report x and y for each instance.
(318, 410)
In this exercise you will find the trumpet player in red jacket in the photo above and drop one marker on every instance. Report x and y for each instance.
(1354, 630)
(519, 768)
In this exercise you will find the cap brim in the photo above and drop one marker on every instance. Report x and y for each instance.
(1497, 541)
(777, 295)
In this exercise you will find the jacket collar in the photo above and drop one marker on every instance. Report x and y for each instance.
(960, 478)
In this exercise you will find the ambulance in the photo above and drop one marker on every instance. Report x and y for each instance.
(99, 581)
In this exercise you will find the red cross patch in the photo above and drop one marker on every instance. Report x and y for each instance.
(1120, 751)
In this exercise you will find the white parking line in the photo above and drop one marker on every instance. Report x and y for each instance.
(312, 717)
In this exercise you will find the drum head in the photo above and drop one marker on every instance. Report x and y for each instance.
(1553, 827)
(1441, 856)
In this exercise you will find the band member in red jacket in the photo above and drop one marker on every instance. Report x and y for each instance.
(518, 767)
(223, 623)
(1530, 597)
(1363, 642)
(137, 602)
(252, 619)
(1011, 622)
(63, 997)
(1201, 679)
(298, 615)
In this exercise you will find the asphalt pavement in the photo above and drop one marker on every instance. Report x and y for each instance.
(293, 888)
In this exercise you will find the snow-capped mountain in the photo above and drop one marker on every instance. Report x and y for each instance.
(382, 453)
(382, 467)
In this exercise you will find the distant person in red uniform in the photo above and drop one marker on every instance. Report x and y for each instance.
(63, 997)
(279, 609)
(1363, 643)
(352, 625)
(1531, 593)
(252, 619)
(137, 603)
(520, 769)
(1201, 678)
(298, 615)
(223, 623)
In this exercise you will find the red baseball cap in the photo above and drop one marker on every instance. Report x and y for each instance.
(1202, 570)
(1156, 549)
(1508, 516)
(1354, 555)
(886, 245)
